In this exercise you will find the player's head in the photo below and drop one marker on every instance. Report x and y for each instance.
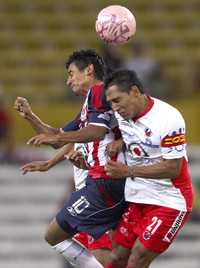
(85, 67)
(125, 93)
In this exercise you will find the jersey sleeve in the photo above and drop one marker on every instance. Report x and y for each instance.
(72, 126)
(173, 137)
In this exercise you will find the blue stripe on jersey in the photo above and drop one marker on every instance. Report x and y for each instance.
(100, 118)
(73, 125)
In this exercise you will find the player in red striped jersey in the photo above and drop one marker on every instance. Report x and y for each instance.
(97, 207)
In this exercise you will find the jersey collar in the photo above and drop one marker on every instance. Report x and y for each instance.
(150, 105)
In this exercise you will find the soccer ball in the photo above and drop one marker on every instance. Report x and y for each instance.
(115, 24)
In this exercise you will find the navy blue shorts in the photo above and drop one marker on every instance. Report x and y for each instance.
(94, 209)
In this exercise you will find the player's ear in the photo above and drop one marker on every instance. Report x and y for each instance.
(134, 91)
(90, 69)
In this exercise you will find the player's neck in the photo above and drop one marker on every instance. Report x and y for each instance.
(93, 83)
(145, 102)
(145, 105)
(90, 84)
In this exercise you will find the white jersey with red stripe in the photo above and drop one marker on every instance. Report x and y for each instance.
(158, 133)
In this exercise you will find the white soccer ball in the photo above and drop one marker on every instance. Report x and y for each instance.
(115, 24)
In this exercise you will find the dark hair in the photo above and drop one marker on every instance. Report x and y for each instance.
(83, 58)
(125, 79)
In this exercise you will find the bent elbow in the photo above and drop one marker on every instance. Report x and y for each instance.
(175, 168)
(101, 136)
(175, 172)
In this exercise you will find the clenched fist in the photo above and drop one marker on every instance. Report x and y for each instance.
(23, 107)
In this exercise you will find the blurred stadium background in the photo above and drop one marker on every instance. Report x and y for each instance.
(36, 37)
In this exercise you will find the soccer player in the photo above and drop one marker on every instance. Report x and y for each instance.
(97, 207)
(158, 185)
(77, 154)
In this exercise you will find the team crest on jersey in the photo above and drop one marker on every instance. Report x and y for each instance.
(146, 235)
(148, 132)
(90, 239)
(84, 112)
(175, 140)
(124, 231)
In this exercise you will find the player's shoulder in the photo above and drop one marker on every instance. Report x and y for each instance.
(96, 90)
(97, 87)
(166, 110)
(97, 97)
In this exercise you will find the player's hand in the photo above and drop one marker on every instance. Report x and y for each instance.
(23, 107)
(74, 155)
(35, 166)
(115, 147)
(77, 158)
(44, 138)
(117, 170)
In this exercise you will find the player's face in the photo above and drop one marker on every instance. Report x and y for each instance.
(126, 104)
(77, 80)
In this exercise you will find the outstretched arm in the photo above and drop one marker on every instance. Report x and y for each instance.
(46, 165)
(66, 152)
(84, 135)
(23, 107)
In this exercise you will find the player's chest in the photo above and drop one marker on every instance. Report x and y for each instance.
(84, 113)
(141, 138)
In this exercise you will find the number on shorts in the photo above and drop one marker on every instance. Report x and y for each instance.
(80, 205)
(156, 222)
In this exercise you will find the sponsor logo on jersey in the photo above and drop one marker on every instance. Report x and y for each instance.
(148, 142)
(137, 150)
(104, 116)
(175, 140)
(175, 226)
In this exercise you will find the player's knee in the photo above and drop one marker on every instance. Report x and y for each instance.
(140, 256)
(49, 237)
(102, 255)
(119, 257)
(54, 234)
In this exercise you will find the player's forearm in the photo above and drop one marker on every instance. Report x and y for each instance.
(60, 156)
(164, 169)
(84, 135)
(39, 126)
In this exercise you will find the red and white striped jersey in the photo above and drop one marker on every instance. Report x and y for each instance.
(80, 175)
(159, 133)
(96, 111)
